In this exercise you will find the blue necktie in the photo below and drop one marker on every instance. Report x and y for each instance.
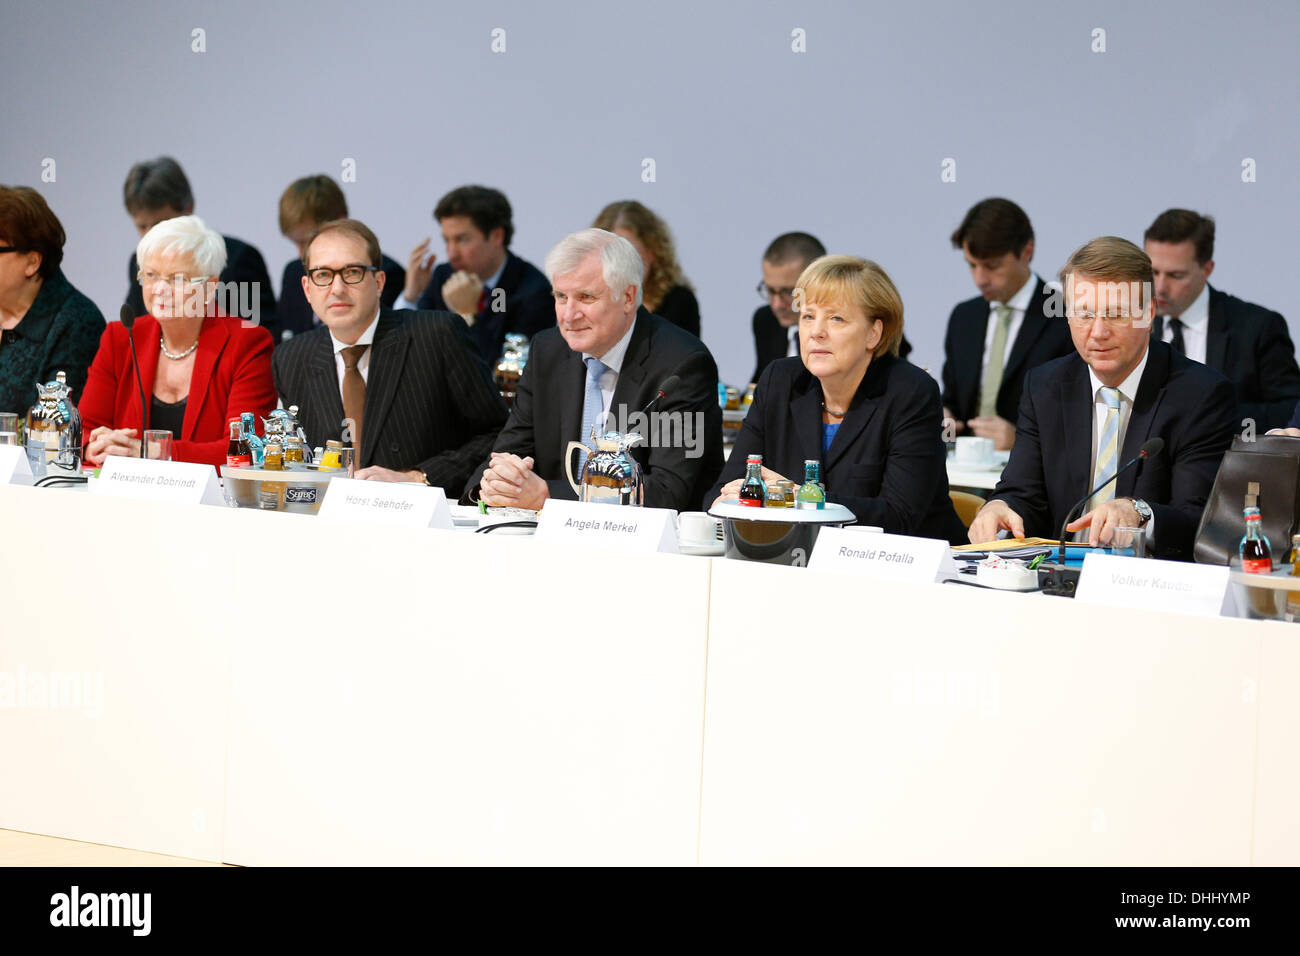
(593, 403)
(1107, 447)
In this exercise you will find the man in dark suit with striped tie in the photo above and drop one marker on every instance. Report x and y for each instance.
(407, 389)
(1085, 415)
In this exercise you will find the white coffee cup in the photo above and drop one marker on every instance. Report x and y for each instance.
(699, 530)
(974, 452)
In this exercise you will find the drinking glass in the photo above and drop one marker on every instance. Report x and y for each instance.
(158, 444)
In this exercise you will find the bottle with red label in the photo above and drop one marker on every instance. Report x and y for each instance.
(1256, 556)
(753, 493)
(238, 452)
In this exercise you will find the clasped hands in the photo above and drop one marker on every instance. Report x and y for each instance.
(105, 441)
(1101, 521)
(510, 482)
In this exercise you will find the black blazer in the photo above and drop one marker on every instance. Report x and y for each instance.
(771, 340)
(547, 412)
(528, 305)
(887, 463)
(243, 264)
(681, 308)
(1250, 345)
(430, 402)
(1187, 404)
(1042, 337)
(294, 314)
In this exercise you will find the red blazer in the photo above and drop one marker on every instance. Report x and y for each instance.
(232, 374)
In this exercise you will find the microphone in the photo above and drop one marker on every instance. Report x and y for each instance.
(1065, 582)
(127, 315)
(666, 386)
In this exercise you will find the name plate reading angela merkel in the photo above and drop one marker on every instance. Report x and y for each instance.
(398, 504)
(893, 557)
(180, 481)
(608, 526)
(1153, 585)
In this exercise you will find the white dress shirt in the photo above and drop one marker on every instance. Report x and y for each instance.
(792, 349)
(1018, 303)
(363, 366)
(613, 360)
(1196, 326)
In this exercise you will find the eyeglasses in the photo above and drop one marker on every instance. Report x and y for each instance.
(10, 249)
(351, 274)
(147, 277)
(1112, 320)
(766, 292)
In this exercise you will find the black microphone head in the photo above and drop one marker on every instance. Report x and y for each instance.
(670, 383)
(1153, 447)
(127, 315)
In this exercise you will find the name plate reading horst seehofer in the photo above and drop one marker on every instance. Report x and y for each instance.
(893, 557)
(180, 481)
(1152, 585)
(398, 504)
(608, 526)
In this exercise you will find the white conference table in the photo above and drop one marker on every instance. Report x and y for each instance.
(964, 477)
(278, 689)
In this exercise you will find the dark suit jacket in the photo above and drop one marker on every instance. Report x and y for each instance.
(60, 332)
(1042, 337)
(294, 314)
(1250, 345)
(1187, 404)
(529, 307)
(681, 308)
(232, 375)
(243, 264)
(771, 340)
(547, 412)
(430, 402)
(887, 462)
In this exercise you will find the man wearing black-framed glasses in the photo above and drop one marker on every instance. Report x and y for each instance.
(406, 389)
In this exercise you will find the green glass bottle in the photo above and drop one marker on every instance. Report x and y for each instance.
(811, 493)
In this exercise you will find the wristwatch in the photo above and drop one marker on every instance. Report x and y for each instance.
(1144, 512)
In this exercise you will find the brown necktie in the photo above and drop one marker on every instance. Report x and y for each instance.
(354, 392)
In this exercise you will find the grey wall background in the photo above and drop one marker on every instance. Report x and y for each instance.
(749, 138)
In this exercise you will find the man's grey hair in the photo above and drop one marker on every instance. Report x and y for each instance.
(620, 263)
(187, 237)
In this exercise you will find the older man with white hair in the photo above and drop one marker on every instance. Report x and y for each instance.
(602, 365)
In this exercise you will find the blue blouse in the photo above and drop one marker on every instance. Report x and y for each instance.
(828, 436)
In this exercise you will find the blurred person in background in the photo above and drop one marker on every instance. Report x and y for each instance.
(667, 293)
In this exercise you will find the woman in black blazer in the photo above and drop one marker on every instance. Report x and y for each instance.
(873, 420)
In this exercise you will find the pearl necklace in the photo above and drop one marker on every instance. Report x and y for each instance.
(176, 356)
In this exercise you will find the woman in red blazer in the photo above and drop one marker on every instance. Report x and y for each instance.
(199, 368)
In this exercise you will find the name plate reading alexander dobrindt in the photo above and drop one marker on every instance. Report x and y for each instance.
(620, 527)
(1154, 585)
(181, 481)
(399, 504)
(893, 557)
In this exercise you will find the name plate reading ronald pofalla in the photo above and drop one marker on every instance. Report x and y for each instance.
(1153, 585)
(400, 504)
(180, 481)
(608, 526)
(895, 557)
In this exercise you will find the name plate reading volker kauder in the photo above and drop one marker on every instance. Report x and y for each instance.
(893, 557)
(399, 504)
(620, 527)
(1153, 585)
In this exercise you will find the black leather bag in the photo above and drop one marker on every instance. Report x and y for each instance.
(1272, 462)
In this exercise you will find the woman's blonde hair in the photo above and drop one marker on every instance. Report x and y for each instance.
(836, 280)
(654, 235)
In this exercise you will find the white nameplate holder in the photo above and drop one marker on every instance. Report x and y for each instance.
(398, 504)
(892, 557)
(14, 467)
(181, 481)
(608, 526)
(1152, 585)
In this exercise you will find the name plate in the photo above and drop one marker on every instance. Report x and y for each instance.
(14, 468)
(181, 481)
(608, 526)
(385, 502)
(1153, 585)
(894, 557)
